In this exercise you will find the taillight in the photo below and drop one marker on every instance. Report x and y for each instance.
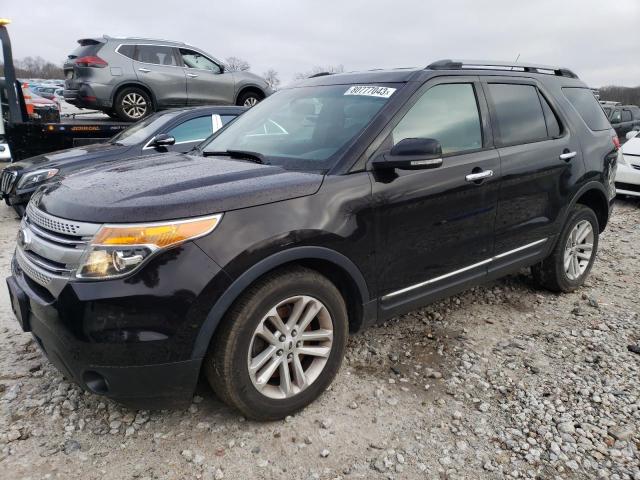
(616, 142)
(91, 61)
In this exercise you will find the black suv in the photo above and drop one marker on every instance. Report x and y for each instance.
(341, 201)
(624, 118)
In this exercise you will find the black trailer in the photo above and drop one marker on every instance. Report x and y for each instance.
(23, 134)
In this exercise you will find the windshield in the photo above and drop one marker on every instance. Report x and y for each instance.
(303, 128)
(143, 129)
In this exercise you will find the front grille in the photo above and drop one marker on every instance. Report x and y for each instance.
(7, 180)
(50, 248)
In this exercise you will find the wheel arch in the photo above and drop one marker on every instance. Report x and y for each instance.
(250, 88)
(594, 196)
(335, 266)
(137, 84)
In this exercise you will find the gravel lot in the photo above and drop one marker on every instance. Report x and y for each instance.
(501, 381)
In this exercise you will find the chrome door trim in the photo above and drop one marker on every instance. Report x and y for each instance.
(462, 270)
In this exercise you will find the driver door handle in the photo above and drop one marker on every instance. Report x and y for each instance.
(191, 75)
(474, 177)
(567, 155)
(144, 70)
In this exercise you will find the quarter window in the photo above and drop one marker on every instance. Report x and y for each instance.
(156, 55)
(519, 115)
(194, 59)
(588, 107)
(193, 130)
(447, 113)
(127, 51)
(626, 115)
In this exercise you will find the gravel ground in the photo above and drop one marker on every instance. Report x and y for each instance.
(501, 381)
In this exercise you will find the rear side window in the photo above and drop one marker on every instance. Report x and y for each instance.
(519, 114)
(227, 118)
(626, 115)
(447, 113)
(127, 50)
(587, 106)
(155, 54)
(193, 130)
(553, 125)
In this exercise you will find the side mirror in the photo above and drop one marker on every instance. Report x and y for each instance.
(411, 154)
(163, 140)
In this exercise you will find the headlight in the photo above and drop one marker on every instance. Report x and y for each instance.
(32, 179)
(117, 250)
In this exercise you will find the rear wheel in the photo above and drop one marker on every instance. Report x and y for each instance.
(133, 104)
(572, 258)
(249, 99)
(280, 345)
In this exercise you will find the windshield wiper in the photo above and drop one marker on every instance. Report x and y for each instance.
(254, 157)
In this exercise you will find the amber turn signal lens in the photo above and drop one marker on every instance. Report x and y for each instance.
(162, 235)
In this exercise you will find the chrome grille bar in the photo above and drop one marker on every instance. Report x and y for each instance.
(7, 180)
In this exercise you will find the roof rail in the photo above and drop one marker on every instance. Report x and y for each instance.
(320, 74)
(144, 39)
(448, 64)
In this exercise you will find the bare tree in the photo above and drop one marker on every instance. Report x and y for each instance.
(35, 67)
(272, 78)
(320, 69)
(625, 95)
(235, 64)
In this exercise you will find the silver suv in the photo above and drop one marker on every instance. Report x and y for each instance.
(129, 78)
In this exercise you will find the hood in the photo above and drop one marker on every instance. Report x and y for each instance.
(70, 158)
(170, 186)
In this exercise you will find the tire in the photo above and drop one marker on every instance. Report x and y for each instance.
(20, 209)
(133, 104)
(249, 99)
(237, 344)
(112, 114)
(552, 273)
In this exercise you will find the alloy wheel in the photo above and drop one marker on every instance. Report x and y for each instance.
(290, 347)
(134, 105)
(250, 102)
(578, 250)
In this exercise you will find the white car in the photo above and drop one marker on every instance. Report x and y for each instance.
(628, 172)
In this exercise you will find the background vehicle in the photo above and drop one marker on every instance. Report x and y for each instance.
(343, 201)
(170, 131)
(45, 91)
(628, 173)
(133, 77)
(624, 119)
(31, 129)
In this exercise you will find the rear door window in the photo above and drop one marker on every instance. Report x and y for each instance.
(588, 107)
(626, 115)
(156, 54)
(518, 112)
(616, 116)
(196, 129)
(447, 113)
(554, 129)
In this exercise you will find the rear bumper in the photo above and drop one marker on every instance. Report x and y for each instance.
(89, 96)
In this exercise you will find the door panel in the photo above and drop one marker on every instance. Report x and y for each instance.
(536, 181)
(207, 83)
(157, 67)
(434, 227)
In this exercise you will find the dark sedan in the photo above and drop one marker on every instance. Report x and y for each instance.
(176, 130)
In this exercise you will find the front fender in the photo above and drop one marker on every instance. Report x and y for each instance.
(253, 273)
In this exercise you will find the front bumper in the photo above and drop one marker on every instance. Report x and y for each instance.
(628, 179)
(130, 339)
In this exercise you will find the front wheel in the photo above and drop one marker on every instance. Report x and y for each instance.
(572, 258)
(249, 99)
(280, 345)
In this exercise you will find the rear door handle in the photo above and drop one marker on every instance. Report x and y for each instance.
(192, 75)
(145, 70)
(474, 177)
(566, 155)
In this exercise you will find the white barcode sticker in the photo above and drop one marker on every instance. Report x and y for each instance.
(370, 91)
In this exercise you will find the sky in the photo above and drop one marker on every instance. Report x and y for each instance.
(597, 39)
